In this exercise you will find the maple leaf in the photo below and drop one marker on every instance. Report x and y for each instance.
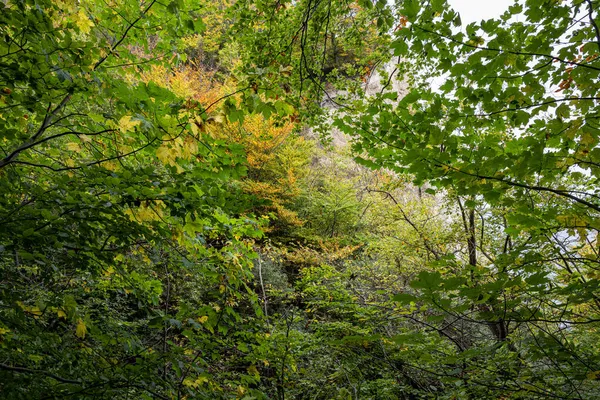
(166, 154)
(83, 22)
(126, 124)
(81, 329)
(72, 146)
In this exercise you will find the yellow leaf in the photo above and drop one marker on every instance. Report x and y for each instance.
(66, 5)
(144, 213)
(74, 147)
(126, 124)
(110, 165)
(252, 370)
(218, 119)
(199, 381)
(166, 154)
(81, 329)
(593, 375)
(83, 22)
(241, 390)
(194, 128)
(587, 139)
(190, 148)
(189, 383)
(61, 314)
(4, 330)
(35, 311)
(203, 319)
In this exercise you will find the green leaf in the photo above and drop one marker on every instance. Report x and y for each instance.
(404, 298)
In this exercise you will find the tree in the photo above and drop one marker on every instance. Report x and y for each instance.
(510, 134)
(140, 156)
(113, 208)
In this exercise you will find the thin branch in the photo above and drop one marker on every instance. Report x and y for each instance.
(563, 193)
(124, 35)
(37, 371)
(426, 241)
(32, 142)
(533, 105)
(119, 156)
(593, 22)
(519, 53)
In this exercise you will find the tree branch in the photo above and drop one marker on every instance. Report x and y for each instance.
(593, 22)
(518, 53)
(37, 371)
(559, 192)
(124, 35)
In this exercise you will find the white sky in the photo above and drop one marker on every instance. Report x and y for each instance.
(476, 10)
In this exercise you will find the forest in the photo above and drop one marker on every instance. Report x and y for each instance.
(299, 199)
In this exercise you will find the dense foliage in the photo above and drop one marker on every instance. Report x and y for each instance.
(233, 199)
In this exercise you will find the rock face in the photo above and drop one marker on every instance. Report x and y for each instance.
(374, 84)
(327, 158)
